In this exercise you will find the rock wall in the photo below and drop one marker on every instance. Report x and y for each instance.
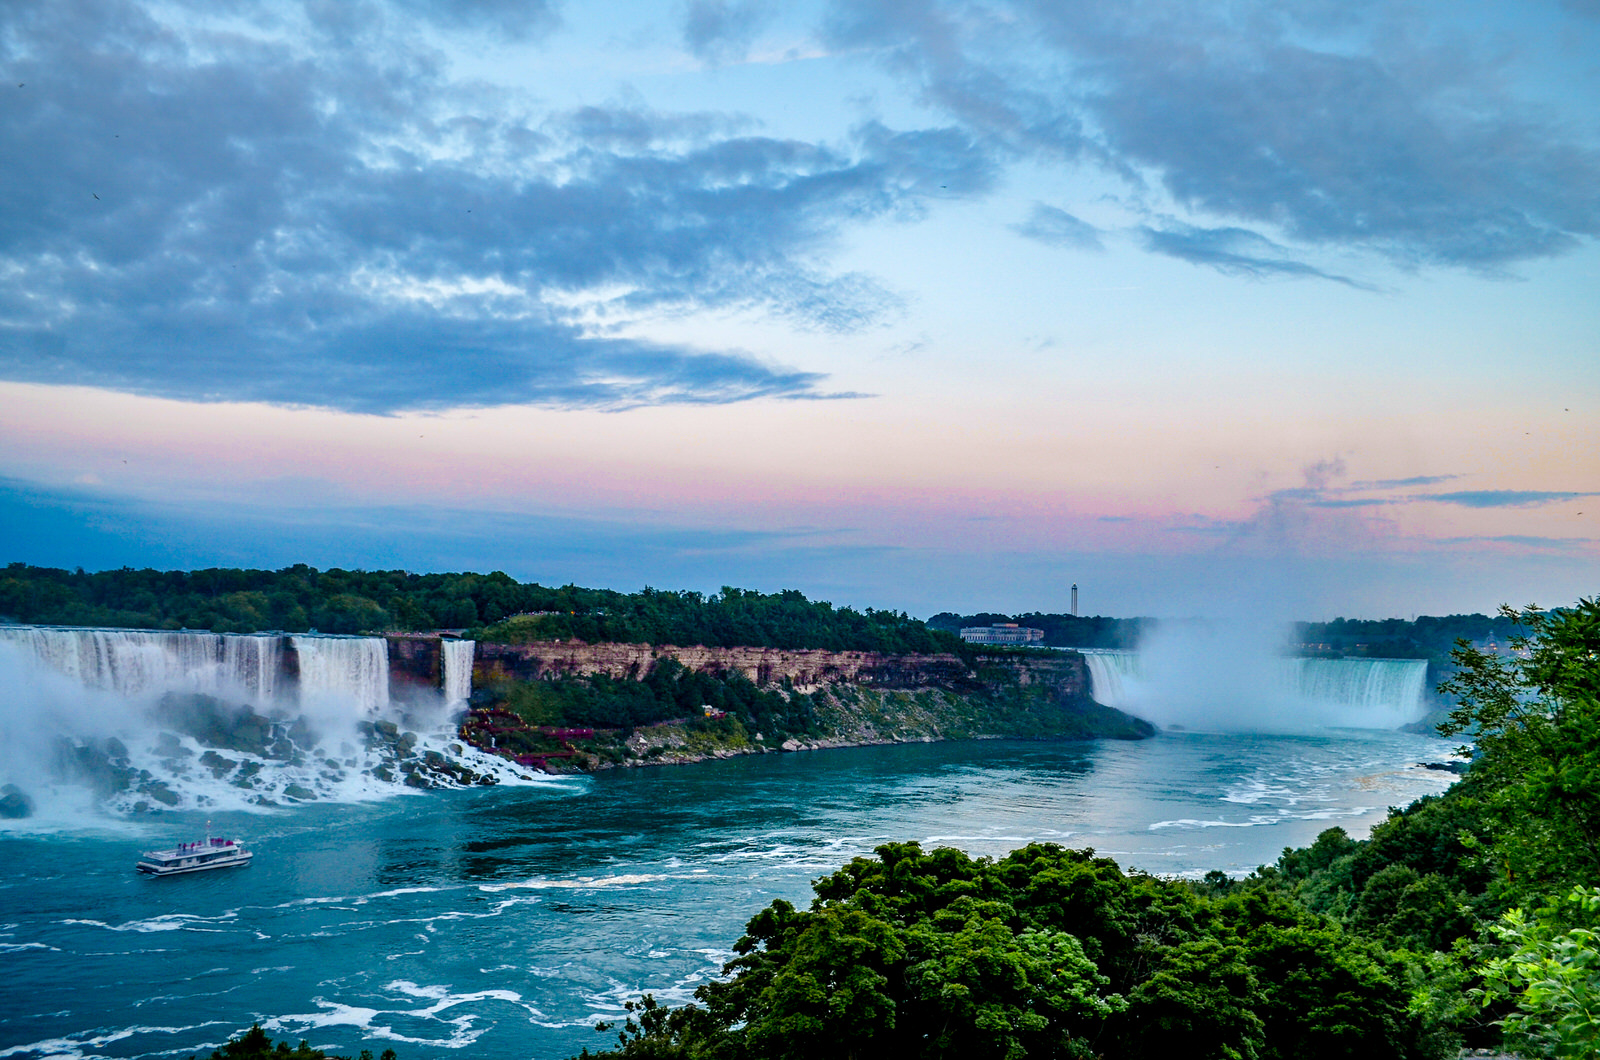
(806, 670)
(1066, 672)
(415, 661)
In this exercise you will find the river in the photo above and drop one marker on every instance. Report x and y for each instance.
(502, 923)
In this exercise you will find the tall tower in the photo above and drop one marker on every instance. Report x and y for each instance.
(1074, 599)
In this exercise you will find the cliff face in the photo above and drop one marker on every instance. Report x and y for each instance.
(414, 662)
(1065, 673)
(806, 670)
(857, 697)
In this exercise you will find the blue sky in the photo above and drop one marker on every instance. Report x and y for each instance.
(913, 304)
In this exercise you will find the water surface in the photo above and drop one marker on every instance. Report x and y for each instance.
(502, 923)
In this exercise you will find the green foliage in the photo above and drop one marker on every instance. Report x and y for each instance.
(1326, 994)
(1553, 975)
(1200, 1003)
(495, 606)
(1429, 637)
(1043, 953)
(1532, 716)
(1426, 637)
(730, 618)
(254, 1044)
(668, 692)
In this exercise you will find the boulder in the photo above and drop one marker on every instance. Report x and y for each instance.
(14, 803)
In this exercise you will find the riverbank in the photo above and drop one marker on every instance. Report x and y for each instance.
(851, 702)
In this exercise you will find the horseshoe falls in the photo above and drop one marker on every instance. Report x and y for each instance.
(1265, 694)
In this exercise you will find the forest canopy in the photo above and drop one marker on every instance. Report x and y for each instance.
(494, 606)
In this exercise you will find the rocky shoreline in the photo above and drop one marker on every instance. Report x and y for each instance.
(850, 715)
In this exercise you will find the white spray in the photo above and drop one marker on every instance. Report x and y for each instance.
(132, 720)
(1231, 678)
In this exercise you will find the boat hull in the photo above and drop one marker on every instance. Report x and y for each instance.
(180, 866)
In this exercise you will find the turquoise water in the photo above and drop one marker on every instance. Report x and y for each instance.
(502, 923)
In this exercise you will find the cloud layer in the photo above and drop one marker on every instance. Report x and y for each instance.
(295, 201)
(1334, 125)
(318, 215)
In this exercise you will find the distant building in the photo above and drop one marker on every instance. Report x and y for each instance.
(1002, 633)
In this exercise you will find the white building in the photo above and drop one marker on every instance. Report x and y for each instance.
(1002, 633)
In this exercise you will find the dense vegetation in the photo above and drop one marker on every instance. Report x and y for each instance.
(992, 701)
(1466, 919)
(1425, 637)
(496, 606)
(668, 691)
(254, 1044)
(731, 618)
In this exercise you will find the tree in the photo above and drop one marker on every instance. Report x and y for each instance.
(1046, 953)
(254, 1044)
(1553, 975)
(1200, 1004)
(1532, 716)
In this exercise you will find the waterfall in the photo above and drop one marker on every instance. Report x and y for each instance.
(86, 723)
(350, 669)
(455, 664)
(135, 663)
(1114, 677)
(1261, 693)
(1376, 691)
(252, 664)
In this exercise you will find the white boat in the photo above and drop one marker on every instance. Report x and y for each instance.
(195, 857)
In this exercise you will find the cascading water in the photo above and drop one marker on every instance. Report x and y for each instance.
(1114, 677)
(139, 662)
(352, 670)
(1383, 692)
(455, 664)
(1273, 694)
(254, 664)
(139, 720)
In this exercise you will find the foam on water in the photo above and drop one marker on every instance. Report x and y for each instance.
(133, 721)
(581, 883)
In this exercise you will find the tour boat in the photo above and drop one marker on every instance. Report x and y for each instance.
(195, 857)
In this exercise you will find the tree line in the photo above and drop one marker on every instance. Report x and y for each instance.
(495, 606)
(1060, 631)
(1468, 919)
(1431, 637)
(1425, 637)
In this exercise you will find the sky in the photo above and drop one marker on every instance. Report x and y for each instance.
(925, 305)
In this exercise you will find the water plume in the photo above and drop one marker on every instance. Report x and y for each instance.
(1236, 677)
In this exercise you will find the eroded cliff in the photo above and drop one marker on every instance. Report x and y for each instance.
(845, 699)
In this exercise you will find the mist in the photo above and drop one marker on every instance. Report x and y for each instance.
(1237, 676)
(188, 726)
